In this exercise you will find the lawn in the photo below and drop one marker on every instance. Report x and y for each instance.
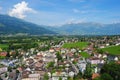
(80, 45)
(85, 54)
(3, 46)
(114, 50)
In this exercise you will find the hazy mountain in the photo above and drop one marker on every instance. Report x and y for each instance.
(89, 28)
(11, 25)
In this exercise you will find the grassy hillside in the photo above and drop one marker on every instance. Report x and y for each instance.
(114, 50)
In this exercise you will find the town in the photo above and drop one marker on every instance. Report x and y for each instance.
(60, 57)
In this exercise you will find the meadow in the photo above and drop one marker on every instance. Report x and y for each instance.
(3, 46)
(80, 45)
(85, 54)
(114, 50)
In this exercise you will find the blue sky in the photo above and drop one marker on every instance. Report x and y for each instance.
(56, 12)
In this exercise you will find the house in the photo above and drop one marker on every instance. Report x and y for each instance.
(102, 46)
(71, 74)
(117, 44)
(51, 50)
(49, 57)
(57, 75)
(94, 60)
(116, 59)
(3, 54)
(104, 56)
(107, 44)
(32, 77)
(8, 62)
(82, 65)
(95, 75)
(12, 75)
(3, 69)
(12, 52)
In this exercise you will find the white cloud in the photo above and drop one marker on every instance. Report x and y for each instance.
(19, 10)
(75, 21)
(79, 11)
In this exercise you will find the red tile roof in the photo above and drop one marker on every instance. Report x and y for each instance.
(95, 75)
(3, 53)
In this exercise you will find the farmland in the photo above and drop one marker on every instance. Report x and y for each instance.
(80, 45)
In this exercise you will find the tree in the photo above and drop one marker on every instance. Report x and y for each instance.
(112, 69)
(46, 77)
(59, 57)
(98, 78)
(6, 75)
(60, 78)
(17, 71)
(9, 69)
(88, 72)
(106, 76)
(50, 64)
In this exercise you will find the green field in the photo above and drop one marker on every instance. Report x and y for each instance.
(80, 45)
(114, 50)
(85, 54)
(3, 46)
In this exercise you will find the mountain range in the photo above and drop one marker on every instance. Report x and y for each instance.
(12, 25)
(88, 28)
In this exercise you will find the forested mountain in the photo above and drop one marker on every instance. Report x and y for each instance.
(11, 25)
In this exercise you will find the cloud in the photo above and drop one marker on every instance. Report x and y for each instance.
(79, 11)
(75, 21)
(20, 9)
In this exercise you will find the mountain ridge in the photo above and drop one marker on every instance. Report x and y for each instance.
(12, 25)
(88, 28)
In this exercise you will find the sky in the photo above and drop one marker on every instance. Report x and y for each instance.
(57, 12)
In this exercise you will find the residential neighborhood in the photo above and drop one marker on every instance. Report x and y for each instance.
(67, 59)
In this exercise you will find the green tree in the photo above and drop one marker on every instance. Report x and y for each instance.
(46, 77)
(88, 72)
(6, 75)
(59, 57)
(113, 69)
(9, 69)
(106, 76)
(50, 64)
(17, 71)
(60, 78)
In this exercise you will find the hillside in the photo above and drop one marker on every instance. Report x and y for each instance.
(11, 25)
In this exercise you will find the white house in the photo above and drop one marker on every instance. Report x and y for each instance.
(94, 60)
(3, 69)
(82, 65)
